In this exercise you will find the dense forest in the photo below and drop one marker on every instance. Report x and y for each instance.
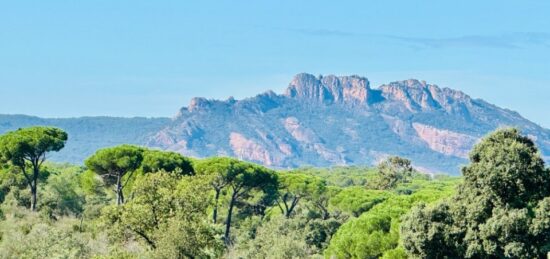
(133, 202)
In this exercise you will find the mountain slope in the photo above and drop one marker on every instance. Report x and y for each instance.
(330, 120)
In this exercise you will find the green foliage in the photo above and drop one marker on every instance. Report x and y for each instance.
(357, 200)
(26, 150)
(500, 210)
(241, 180)
(156, 161)
(10, 179)
(294, 187)
(29, 145)
(25, 235)
(279, 238)
(342, 176)
(62, 195)
(163, 204)
(115, 163)
(376, 231)
(391, 172)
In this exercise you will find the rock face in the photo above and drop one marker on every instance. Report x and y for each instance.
(248, 149)
(341, 120)
(330, 89)
(445, 141)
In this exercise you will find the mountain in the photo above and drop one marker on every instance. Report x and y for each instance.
(87, 134)
(318, 121)
(332, 120)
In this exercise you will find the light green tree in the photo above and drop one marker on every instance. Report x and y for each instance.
(375, 233)
(357, 200)
(392, 171)
(169, 214)
(295, 186)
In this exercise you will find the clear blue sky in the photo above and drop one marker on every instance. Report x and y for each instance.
(148, 58)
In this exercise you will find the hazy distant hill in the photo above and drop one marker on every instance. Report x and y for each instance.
(331, 120)
(318, 121)
(87, 134)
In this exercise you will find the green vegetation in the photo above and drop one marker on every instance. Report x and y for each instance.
(133, 202)
(116, 166)
(500, 211)
(26, 150)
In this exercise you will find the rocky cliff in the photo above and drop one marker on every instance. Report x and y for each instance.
(341, 120)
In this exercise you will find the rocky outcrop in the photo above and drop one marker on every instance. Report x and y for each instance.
(445, 141)
(299, 132)
(418, 96)
(248, 149)
(330, 89)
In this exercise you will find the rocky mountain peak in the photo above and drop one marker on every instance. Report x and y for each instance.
(198, 103)
(330, 89)
(351, 124)
(420, 96)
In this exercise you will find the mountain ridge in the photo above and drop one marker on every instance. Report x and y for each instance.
(317, 121)
(411, 118)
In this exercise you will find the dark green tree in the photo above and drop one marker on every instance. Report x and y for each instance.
(116, 165)
(240, 179)
(500, 210)
(26, 149)
(246, 178)
(156, 160)
(221, 169)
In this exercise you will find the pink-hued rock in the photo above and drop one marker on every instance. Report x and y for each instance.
(445, 141)
(300, 133)
(244, 148)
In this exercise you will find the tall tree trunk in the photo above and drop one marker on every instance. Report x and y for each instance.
(119, 193)
(34, 184)
(228, 219)
(292, 206)
(33, 196)
(215, 213)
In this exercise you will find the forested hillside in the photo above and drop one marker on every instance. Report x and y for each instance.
(88, 134)
(129, 201)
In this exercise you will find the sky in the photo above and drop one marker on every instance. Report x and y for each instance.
(149, 58)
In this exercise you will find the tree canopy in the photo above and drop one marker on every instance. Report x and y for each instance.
(157, 160)
(500, 211)
(392, 171)
(27, 148)
(240, 178)
(169, 206)
(112, 164)
(295, 186)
